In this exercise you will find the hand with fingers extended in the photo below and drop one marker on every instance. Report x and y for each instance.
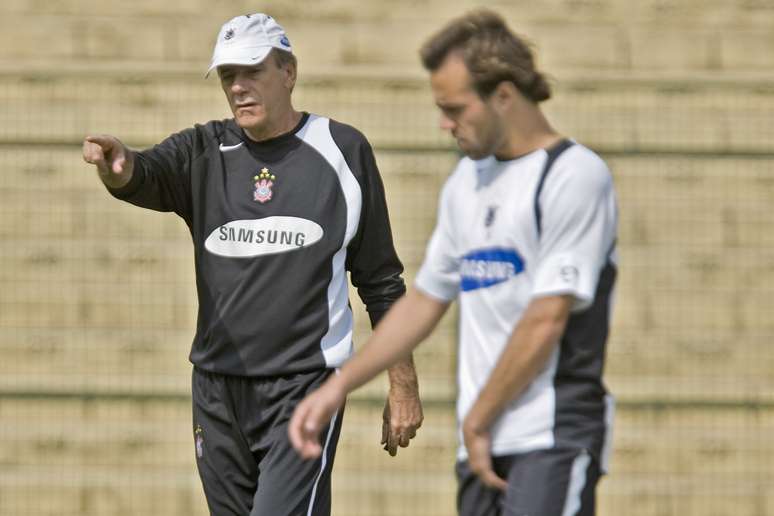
(114, 161)
(311, 415)
(478, 444)
(401, 419)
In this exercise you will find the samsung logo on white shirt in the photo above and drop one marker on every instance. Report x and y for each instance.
(270, 235)
(486, 267)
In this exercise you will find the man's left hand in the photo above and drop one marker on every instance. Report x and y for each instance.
(402, 418)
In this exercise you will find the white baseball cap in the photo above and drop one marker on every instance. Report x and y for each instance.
(247, 40)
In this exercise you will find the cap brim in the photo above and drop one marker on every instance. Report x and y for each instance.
(239, 56)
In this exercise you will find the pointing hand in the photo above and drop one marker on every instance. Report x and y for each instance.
(114, 161)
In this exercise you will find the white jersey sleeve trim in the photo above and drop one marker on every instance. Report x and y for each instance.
(336, 344)
(578, 227)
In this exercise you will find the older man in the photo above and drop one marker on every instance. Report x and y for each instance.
(280, 205)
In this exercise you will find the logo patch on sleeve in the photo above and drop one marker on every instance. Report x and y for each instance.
(483, 268)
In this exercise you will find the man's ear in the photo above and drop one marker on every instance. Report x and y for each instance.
(504, 95)
(290, 75)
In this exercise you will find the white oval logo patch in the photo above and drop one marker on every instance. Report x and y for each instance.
(270, 235)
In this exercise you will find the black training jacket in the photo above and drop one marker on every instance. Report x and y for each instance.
(275, 225)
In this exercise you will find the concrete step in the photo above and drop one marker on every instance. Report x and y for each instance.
(658, 311)
(664, 201)
(671, 365)
(125, 303)
(685, 494)
(57, 263)
(687, 13)
(649, 269)
(137, 434)
(641, 365)
(98, 305)
(143, 432)
(137, 493)
(713, 441)
(65, 293)
(607, 34)
(129, 457)
(51, 214)
(50, 194)
(694, 258)
(139, 359)
(693, 202)
(648, 177)
(624, 113)
(100, 491)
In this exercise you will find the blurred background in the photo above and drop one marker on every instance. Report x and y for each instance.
(97, 299)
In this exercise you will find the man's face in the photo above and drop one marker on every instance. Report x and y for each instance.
(259, 95)
(471, 120)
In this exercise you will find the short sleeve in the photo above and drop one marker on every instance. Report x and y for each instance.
(578, 227)
(439, 275)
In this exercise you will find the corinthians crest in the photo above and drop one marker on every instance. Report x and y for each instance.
(263, 183)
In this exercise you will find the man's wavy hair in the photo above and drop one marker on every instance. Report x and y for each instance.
(491, 53)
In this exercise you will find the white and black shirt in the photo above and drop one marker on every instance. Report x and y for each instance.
(507, 233)
(276, 225)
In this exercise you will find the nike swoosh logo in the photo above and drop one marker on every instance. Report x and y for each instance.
(227, 148)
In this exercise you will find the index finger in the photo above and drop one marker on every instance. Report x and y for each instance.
(103, 140)
(93, 153)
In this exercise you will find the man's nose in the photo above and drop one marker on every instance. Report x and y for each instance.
(240, 84)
